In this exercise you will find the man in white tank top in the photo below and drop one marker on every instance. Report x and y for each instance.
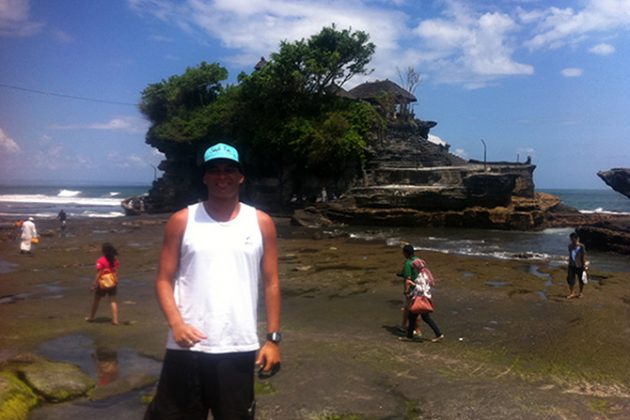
(207, 286)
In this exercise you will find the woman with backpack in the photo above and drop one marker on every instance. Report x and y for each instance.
(106, 281)
(419, 281)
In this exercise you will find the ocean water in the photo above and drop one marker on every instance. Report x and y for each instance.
(548, 246)
(594, 201)
(45, 202)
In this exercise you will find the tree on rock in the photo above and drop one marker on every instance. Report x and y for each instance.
(287, 118)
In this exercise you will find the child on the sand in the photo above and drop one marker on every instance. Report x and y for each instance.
(106, 265)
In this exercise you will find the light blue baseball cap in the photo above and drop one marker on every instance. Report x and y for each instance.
(221, 151)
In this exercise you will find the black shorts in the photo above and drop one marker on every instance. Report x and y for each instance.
(573, 272)
(193, 383)
(106, 292)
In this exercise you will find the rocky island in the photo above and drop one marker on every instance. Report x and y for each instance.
(325, 155)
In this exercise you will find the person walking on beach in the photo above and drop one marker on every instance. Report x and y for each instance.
(419, 283)
(407, 272)
(577, 265)
(62, 217)
(106, 281)
(207, 286)
(29, 236)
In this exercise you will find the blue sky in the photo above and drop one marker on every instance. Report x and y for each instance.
(540, 78)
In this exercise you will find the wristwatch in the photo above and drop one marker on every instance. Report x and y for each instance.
(274, 337)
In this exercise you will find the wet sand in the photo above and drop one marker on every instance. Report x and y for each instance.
(515, 347)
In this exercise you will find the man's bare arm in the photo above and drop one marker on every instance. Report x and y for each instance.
(184, 334)
(269, 355)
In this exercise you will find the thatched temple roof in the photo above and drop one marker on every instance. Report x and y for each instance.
(261, 63)
(371, 90)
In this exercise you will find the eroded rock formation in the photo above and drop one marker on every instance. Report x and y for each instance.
(618, 179)
(411, 181)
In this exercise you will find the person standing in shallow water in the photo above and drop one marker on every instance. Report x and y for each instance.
(62, 217)
(212, 258)
(418, 284)
(108, 262)
(29, 232)
(577, 265)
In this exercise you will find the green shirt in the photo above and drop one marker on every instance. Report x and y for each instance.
(408, 271)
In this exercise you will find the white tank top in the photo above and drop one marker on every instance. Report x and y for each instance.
(216, 285)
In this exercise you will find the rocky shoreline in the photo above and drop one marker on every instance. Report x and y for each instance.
(510, 331)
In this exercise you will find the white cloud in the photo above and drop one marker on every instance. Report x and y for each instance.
(471, 48)
(602, 49)
(251, 29)
(53, 157)
(525, 152)
(473, 44)
(571, 72)
(461, 47)
(127, 124)
(461, 153)
(7, 144)
(15, 19)
(147, 160)
(62, 36)
(557, 27)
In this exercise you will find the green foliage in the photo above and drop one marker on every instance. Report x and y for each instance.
(285, 114)
(290, 113)
(179, 107)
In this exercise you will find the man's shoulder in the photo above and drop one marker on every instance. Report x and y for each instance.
(178, 220)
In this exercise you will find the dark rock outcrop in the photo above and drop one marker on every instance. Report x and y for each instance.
(520, 214)
(618, 179)
(612, 235)
(310, 217)
(413, 182)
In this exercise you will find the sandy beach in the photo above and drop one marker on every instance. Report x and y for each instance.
(515, 347)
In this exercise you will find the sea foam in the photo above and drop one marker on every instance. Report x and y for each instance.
(68, 193)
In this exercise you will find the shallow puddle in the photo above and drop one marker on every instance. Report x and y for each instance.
(12, 298)
(7, 267)
(498, 283)
(115, 372)
(84, 352)
(535, 271)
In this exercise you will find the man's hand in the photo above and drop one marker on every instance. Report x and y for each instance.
(268, 356)
(186, 335)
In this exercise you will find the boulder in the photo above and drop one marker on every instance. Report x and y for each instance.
(618, 179)
(16, 399)
(310, 217)
(54, 381)
(611, 235)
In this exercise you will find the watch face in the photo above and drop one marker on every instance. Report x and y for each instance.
(276, 337)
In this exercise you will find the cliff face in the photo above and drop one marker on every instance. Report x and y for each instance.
(180, 185)
(618, 179)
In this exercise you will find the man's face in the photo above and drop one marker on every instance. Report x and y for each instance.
(223, 178)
